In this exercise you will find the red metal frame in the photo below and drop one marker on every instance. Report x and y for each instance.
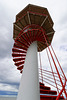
(63, 85)
(52, 70)
(23, 41)
(30, 12)
(37, 33)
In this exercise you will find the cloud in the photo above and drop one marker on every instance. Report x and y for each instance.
(8, 87)
(5, 48)
(8, 70)
(9, 76)
(5, 32)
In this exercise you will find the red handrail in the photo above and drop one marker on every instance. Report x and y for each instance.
(49, 80)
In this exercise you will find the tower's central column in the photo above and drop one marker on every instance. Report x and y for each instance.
(29, 85)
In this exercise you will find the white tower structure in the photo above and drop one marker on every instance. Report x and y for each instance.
(29, 85)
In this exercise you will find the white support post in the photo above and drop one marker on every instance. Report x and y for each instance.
(29, 84)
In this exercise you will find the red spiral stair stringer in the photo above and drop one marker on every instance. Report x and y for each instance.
(22, 43)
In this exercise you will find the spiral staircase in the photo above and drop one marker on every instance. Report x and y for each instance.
(34, 23)
(47, 94)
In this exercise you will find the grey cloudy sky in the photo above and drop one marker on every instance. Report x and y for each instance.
(9, 76)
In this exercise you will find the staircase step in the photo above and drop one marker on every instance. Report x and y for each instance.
(62, 98)
(41, 83)
(48, 92)
(49, 97)
(44, 87)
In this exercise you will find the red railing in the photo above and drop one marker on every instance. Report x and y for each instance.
(48, 79)
(59, 79)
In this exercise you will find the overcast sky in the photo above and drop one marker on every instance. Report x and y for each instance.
(9, 76)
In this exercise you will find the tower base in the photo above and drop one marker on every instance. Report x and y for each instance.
(29, 84)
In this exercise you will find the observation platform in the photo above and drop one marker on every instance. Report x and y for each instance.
(34, 17)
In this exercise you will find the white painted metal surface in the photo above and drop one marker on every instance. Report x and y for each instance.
(29, 85)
